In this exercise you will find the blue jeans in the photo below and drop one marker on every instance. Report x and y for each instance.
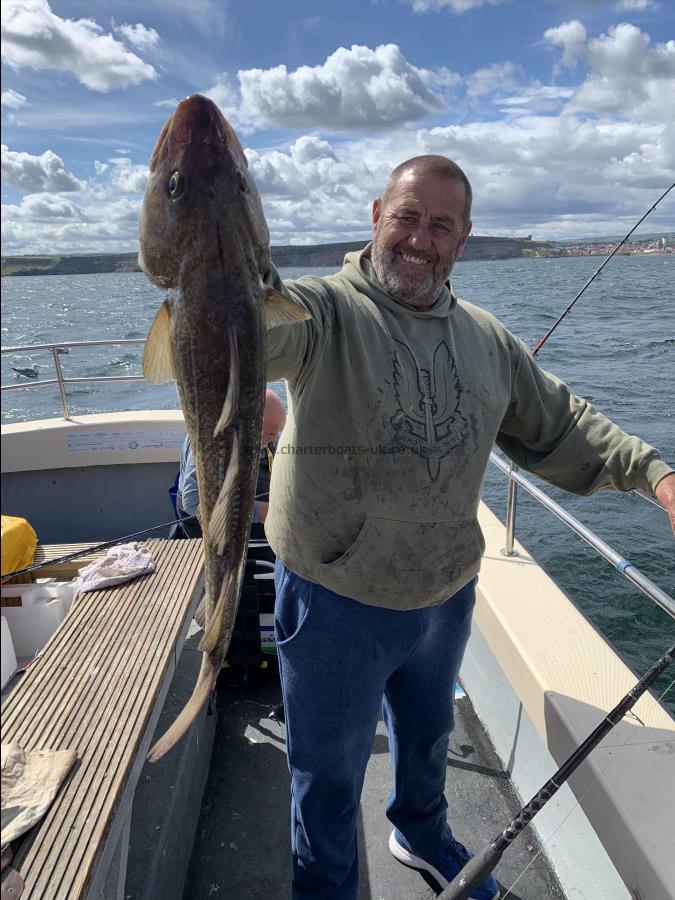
(340, 661)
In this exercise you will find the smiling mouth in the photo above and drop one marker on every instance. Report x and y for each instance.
(414, 260)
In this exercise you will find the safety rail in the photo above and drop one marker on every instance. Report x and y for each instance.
(60, 379)
(623, 566)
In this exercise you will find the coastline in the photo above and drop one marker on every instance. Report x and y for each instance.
(316, 255)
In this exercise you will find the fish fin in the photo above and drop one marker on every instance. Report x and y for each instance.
(208, 674)
(212, 634)
(231, 404)
(218, 527)
(281, 310)
(157, 366)
(200, 613)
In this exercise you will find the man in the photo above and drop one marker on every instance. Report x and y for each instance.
(399, 392)
(187, 498)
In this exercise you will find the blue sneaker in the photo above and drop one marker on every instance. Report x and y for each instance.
(443, 866)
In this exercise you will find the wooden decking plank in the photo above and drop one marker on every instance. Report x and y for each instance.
(126, 763)
(112, 759)
(94, 765)
(81, 795)
(62, 653)
(95, 797)
(57, 652)
(74, 652)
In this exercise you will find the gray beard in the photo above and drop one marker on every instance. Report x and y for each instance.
(417, 290)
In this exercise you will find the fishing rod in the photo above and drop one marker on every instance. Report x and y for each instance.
(480, 866)
(595, 274)
(105, 545)
(94, 549)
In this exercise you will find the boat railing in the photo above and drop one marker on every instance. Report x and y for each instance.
(61, 380)
(623, 566)
(516, 479)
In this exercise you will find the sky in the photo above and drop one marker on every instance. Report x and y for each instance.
(561, 112)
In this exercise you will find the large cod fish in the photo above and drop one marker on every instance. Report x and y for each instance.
(203, 238)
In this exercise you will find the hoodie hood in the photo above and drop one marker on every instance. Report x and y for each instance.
(359, 271)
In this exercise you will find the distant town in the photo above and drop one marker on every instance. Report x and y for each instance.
(630, 248)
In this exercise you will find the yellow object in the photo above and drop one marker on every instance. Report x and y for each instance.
(18, 544)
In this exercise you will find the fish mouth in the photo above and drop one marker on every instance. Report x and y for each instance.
(196, 116)
(197, 122)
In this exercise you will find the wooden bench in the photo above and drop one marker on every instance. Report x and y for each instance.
(98, 688)
(48, 556)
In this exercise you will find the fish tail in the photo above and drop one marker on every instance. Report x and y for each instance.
(211, 666)
(214, 624)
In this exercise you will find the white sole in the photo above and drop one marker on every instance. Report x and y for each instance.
(415, 862)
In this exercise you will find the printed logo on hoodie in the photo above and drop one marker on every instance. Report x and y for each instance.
(428, 420)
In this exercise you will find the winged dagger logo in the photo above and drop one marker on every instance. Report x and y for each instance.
(428, 420)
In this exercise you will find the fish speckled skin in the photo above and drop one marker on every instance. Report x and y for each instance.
(203, 238)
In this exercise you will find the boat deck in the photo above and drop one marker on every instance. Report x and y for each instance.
(243, 836)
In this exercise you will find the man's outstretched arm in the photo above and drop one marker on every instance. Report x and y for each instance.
(665, 494)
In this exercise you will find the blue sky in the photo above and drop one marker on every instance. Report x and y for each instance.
(560, 111)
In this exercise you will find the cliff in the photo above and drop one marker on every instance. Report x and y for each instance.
(289, 255)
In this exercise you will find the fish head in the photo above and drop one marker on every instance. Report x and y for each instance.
(199, 195)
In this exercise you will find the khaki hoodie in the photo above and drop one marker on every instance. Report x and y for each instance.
(378, 473)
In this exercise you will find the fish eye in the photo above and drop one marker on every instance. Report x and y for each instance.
(177, 185)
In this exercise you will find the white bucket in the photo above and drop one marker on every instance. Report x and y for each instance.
(7, 652)
(65, 591)
(35, 621)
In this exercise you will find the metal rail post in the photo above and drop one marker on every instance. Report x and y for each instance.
(62, 386)
(511, 504)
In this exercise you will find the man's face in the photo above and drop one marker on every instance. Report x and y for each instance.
(273, 423)
(418, 236)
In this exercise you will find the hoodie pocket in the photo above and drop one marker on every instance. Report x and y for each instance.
(407, 564)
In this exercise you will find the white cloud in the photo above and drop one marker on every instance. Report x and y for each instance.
(571, 36)
(33, 36)
(34, 174)
(44, 224)
(550, 176)
(13, 100)
(497, 77)
(128, 178)
(353, 89)
(629, 77)
(138, 35)
(45, 208)
(535, 97)
(534, 173)
(170, 103)
(636, 5)
(456, 6)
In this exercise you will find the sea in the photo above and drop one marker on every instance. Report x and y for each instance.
(616, 349)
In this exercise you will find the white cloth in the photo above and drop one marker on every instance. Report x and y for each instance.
(30, 781)
(120, 564)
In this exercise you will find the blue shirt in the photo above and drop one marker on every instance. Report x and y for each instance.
(187, 483)
(187, 480)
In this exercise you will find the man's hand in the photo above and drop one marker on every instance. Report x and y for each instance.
(665, 494)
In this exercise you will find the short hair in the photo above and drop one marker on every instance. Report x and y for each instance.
(432, 164)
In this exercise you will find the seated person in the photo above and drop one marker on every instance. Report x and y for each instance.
(187, 498)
